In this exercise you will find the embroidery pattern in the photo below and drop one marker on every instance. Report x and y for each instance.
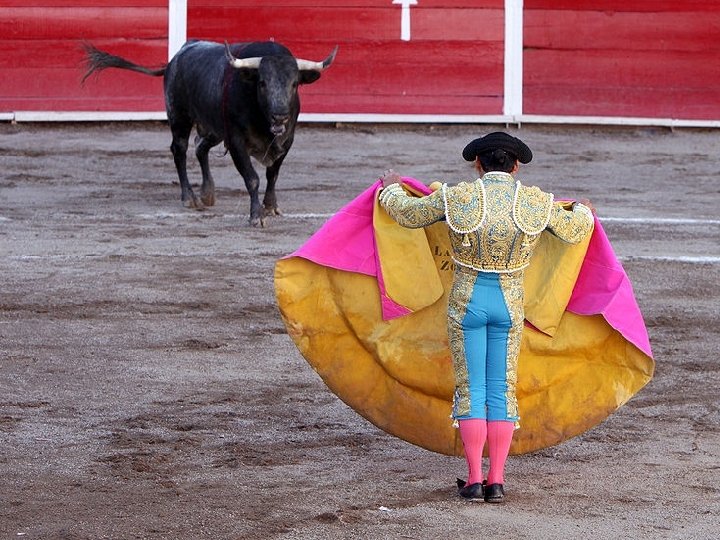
(573, 226)
(497, 245)
(457, 305)
(465, 206)
(512, 289)
(412, 212)
(531, 209)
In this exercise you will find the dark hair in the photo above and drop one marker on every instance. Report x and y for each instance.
(497, 160)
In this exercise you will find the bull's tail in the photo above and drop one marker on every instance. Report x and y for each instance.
(97, 60)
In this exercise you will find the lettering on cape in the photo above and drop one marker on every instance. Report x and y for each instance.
(443, 258)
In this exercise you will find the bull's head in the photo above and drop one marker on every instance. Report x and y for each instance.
(278, 77)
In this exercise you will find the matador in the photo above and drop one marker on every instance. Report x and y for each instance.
(494, 224)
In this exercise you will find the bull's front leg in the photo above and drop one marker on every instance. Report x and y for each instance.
(242, 162)
(270, 199)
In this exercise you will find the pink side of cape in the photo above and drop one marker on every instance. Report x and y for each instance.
(347, 242)
(603, 287)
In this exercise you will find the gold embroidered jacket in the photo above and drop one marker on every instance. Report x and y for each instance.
(494, 222)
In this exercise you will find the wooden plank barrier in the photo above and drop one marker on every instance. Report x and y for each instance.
(581, 58)
(632, 58)
(452, 63)
(42, 59)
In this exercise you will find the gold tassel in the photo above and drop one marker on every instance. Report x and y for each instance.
(466, 240)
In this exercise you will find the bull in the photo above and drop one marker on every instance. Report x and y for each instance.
(245, 95)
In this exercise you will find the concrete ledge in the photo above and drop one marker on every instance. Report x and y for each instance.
(122, 116)
(406, 118)
(615, 121)
(86, 116)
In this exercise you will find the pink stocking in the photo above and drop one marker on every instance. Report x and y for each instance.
(499, 435)
(473, 432)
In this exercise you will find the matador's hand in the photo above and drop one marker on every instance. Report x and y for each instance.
(390, 177)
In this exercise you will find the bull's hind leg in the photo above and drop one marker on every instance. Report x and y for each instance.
(203, 144)
(181, 134)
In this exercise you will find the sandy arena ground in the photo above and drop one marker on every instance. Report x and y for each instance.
(148, 388)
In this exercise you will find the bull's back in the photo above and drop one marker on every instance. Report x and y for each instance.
(194, 83)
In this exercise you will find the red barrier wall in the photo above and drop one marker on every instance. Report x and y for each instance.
(42, 61)
(632, 58)
(654, 59)
(453, 63)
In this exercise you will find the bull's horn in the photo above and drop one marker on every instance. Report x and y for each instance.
(251, 63)
(309, 65)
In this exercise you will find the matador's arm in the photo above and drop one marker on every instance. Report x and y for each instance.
(412, 212)
(572, 225)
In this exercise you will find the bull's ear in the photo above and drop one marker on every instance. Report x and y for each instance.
(308, 76)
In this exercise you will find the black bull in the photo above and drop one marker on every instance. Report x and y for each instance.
(245, 95)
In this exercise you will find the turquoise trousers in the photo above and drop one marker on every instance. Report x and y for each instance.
(484, 332)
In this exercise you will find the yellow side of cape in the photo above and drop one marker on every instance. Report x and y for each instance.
(407, 264)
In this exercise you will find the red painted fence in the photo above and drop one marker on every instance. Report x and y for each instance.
(657, 59)
(453, 63)
(41, 58)
(635, 58)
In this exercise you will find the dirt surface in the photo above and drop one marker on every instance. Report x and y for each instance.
(148, 388)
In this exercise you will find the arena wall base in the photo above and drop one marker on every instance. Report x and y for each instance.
(82, 116)
(351, 118)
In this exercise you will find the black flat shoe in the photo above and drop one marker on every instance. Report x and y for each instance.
(472, 492)
(494, 493)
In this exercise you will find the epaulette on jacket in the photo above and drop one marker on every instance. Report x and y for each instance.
(465, 206)
(531, 209)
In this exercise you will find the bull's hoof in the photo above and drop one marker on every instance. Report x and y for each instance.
(272, 211)
(194, 203)
(208, 199)
(257, 222)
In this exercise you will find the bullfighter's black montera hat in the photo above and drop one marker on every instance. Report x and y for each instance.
(498, 140)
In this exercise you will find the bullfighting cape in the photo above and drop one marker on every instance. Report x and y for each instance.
(365, 302)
